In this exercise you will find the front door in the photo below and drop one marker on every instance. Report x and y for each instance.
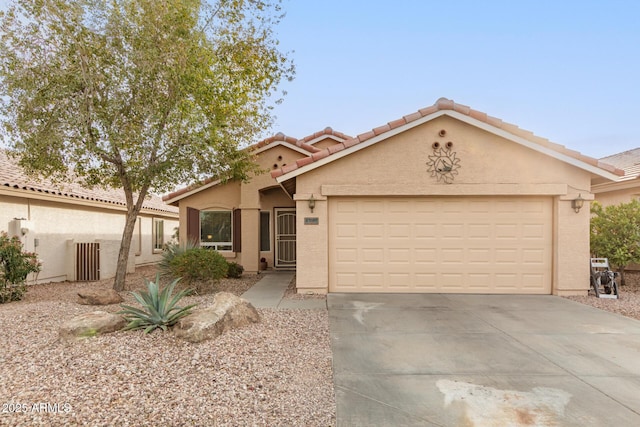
(285, 238)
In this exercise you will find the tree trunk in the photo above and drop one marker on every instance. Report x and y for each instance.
(123, 256)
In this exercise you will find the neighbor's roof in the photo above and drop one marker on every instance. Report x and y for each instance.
(303, 146)
(444, 106)
(12, 176)
(628, 161)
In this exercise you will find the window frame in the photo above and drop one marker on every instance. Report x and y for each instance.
(218, 246)
(269, 231)
(155, 235)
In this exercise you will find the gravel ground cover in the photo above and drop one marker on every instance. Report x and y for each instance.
(276, 372)
(628, 304)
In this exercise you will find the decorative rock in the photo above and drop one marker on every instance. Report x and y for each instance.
(227, 312)
(91, 324)
(99, 297)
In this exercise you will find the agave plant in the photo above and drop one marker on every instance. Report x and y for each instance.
(159, 308)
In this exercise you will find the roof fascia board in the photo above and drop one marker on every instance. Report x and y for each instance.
(191, 192)
(284, 144)
(71, 200)
(614, 186)
(532, 145)
(464, 118)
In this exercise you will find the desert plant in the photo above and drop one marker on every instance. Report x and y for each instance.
(235, 270)
(159, 308)
(15, 266)
(199, 264)
(172, 250)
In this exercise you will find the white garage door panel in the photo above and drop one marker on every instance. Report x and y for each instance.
(458, 245)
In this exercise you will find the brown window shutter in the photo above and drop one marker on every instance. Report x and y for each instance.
(237, 230)
(193, 225)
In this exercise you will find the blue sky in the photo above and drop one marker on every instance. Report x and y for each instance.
(565, 70)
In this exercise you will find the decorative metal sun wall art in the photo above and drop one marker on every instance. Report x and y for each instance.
(443, 164)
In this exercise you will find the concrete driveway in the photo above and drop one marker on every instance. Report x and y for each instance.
(480, 360)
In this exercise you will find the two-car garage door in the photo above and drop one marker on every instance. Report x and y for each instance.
(440, 244)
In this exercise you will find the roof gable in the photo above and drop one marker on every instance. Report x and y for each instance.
(303, 146)
(458, 111)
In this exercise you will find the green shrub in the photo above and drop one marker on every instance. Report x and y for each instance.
(235, 270)
(159, 308)
(171, 251)
(198, 264)
(15, 266)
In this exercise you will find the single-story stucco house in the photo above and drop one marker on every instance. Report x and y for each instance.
(446, 199)
(76, 232)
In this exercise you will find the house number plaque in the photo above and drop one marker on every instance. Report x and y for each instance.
(311, 220)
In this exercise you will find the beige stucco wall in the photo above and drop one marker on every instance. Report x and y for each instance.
(616, 197)
(57, 225)
(260, 193)
(489, 165)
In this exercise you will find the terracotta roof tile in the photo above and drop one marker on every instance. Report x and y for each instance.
(397, 123)
(412, 117)
(478, 115)
(364, 136)
(276, 173)
(444, 104)
(428, 110)
(290, 167)
(351, 142)
(335, 148)
(447, 104)
(305, 146)
(461, 108)
(325, 132)
(381, 129)
(320, 155)
(13, 176)
(304, 161)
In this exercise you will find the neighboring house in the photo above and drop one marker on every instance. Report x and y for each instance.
(626, 187)
(76, 232)
(443, 200)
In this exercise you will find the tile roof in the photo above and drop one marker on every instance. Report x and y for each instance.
(13, 176)
(444, 104)
(628, 161)
(272, 140)
(302, 143)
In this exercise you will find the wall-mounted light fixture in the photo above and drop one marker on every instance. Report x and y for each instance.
(577, 203)
(312, 203)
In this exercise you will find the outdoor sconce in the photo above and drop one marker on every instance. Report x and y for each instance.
(312, 203)
(577, 203)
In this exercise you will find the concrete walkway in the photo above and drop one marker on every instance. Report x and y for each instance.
(269, 293)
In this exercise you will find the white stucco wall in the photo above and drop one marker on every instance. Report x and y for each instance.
(57, 226)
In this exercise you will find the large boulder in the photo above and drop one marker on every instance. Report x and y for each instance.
(91, 324)
(227, 312)
(99, 297)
